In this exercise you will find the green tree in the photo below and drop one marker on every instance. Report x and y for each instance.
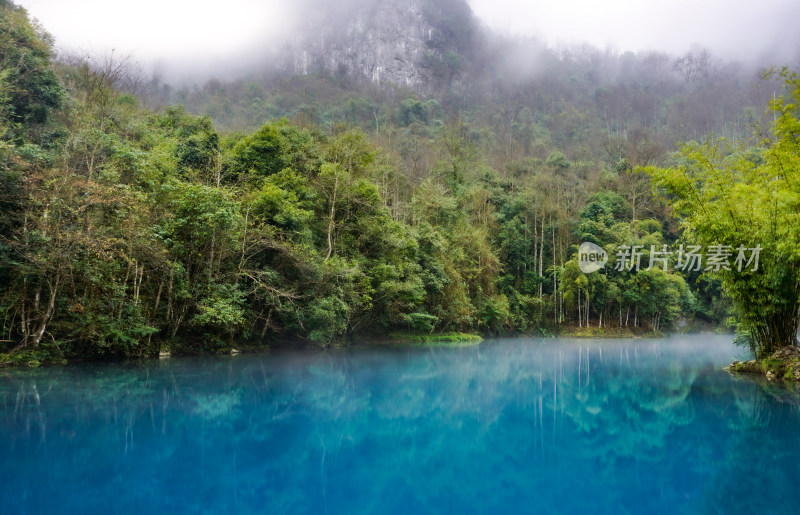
(742, 198)
(32, 89)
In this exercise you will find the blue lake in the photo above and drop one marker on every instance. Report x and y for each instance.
(507, 426)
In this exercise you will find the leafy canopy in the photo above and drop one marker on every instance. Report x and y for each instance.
(729, 195)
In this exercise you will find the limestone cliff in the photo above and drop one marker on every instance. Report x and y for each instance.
(406, 42)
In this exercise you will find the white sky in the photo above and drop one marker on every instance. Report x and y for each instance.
(202, 31)
(158, 28)
(730, 28)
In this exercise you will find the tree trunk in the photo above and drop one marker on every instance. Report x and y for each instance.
(555, 280)
(541, 261)
(37, 337)
(587, 308)
(331, 218)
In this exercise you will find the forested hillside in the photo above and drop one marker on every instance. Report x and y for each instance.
(138, 216)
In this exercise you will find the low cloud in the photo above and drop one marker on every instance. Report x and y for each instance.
(198, 39)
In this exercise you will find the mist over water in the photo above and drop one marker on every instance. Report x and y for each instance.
(523, 425)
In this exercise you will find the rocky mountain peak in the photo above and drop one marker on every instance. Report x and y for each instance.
(408, 42)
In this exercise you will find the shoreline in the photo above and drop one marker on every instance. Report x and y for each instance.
(48, 355)
(781, 365)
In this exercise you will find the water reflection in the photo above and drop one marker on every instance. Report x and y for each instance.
(508, 426)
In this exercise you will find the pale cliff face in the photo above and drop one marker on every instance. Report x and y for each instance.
(382, 41)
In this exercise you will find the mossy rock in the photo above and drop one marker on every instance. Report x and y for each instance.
(745, 367)
(781, 365)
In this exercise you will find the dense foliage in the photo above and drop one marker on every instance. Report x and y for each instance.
(738, 196)
(127, 230)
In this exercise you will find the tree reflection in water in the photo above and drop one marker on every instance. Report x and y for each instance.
(549, 426)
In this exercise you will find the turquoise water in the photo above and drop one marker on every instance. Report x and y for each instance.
(508, 426)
